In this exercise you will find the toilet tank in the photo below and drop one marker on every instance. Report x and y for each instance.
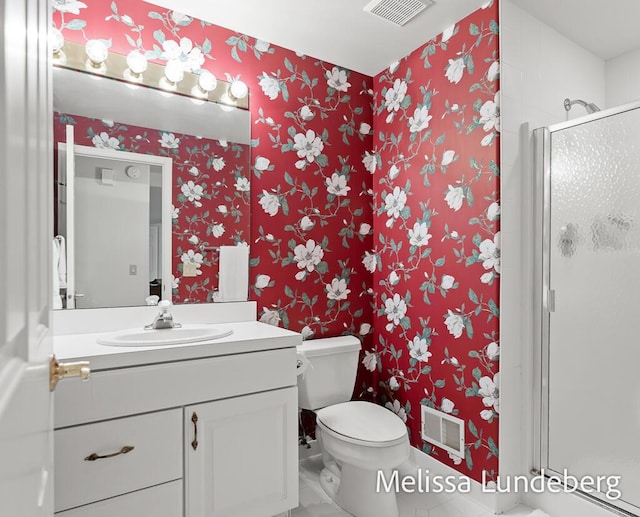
(331, 374)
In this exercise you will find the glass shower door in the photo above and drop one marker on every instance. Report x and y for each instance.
(592, 331)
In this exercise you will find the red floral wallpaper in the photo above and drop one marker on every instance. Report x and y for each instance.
(311, 196)
(436, 254)
(211, 204)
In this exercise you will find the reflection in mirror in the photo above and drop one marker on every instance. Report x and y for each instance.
(207, 205)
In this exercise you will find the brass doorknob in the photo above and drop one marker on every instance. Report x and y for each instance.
(58, 371)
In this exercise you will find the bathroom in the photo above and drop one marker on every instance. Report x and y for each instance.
(333, 262)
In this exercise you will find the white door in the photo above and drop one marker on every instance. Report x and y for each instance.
(241, 456)
(26, 472)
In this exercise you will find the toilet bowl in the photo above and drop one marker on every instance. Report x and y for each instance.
(361, 442)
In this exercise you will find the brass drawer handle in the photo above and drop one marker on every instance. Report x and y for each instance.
(124, 450)
(194, 419)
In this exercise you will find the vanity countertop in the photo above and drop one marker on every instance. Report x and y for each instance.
(247, 336)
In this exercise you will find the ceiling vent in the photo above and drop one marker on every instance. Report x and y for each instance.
(398, 12)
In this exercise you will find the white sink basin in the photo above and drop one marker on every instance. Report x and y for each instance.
(174, 336)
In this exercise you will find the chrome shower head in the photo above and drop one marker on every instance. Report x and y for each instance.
(589, 107)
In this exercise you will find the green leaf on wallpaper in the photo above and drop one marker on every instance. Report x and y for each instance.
(474, 30)
(288, 292)
(155, 15)
(475, 87)
(206, 46)
(130, 40)
(494, 27)
(493, 448)
(477, 239)
(242, 44)
(288, 65)
(441, 139)
(322, 268)
(474, 220)
(159, 36)
(473, 296)
(75, 25)
(406, 102)
(494, 308)
(468, 61)
(285, 319)
(234, 54)
(472, 429)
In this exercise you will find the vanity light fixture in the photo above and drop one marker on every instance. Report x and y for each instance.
(136, 70)
(136, 66)
(56, 40)
(97, 53)
(207, 82)
(173, 74)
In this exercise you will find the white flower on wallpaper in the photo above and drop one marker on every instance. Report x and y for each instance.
(397, 409)
(395, 309)
(394, 202)
(169, 140)
(395, 95)
(370, 162)
(270, 203)
(337, 289)
(418, 235)
(270, 86)
(68, 6)
(394, 385)
(175, 212)
(306, 223)
(262, 46)
(262, 281)
(306, 332)
(365, 229)
(270, 316)
(393, 172)
(493, 351)
(490, 253)
(193, 240)
(447, 282)
(104, 141)
(365, 328)
(308, 145)
(454, 323)
(447, 405)
(365, 128)
(394, 278)
(448, 32)
(193, 258)
(175, 282)
(222, 209)
(490, 114)
(490, 393)
(418, 349)
(457, 460)
(192, 192)
(369, 361)
(337, 79)
(455, 70)
(217, 230)
(308, 256)
(194, 171)
(370, 261)
(190, 57)
(180, 18)
(306, 113)
(262, 163)
(217, 162)
(337, 185)
(494, 71)
(419, 120)
(454, 197)
(242, 184)
(493, 212)
(447, 157)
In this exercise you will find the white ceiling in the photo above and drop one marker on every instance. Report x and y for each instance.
(606, 28)
(336, 31)
(340, 32)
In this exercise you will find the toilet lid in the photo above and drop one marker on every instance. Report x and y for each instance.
(363, 421)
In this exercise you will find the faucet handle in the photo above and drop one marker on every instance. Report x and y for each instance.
(164, 306)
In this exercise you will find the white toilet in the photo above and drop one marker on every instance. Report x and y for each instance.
(358, 438)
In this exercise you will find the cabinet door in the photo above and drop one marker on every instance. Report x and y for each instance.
(241, 457)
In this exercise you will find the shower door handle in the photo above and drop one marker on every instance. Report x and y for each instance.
(551, 300)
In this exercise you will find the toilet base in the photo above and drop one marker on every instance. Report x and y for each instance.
(357, 493)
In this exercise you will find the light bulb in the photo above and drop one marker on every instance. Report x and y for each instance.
(173, 74)
(136, 62)
(56, 40)
(98, 52)
(207, 81)
(238, 90)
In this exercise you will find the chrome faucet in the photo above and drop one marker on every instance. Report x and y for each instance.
(164, 319)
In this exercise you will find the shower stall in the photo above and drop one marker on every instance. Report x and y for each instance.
(588, 303)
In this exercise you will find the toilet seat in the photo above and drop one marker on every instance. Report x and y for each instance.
(362, 423)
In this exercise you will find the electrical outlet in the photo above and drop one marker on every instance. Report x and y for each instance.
(189, 269)
(133, 269)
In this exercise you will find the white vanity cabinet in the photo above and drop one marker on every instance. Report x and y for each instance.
(202, 436)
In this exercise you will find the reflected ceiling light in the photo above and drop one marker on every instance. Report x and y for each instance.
(207, 82)
(238, 90)
(98, 53)
(136, 66)
(173, 74)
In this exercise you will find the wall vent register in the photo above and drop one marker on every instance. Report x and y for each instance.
(397, 11)
(443, 430)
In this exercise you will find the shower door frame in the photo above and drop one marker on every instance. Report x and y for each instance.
(544, 298)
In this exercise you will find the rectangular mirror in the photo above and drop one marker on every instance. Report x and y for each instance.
(195, 179)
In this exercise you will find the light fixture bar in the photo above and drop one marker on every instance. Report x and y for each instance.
(152, 77)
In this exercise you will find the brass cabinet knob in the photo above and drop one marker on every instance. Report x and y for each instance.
(58, 371)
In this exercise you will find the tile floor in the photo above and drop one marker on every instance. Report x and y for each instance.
(315, 503)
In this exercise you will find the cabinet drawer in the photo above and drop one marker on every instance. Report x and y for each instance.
(156, 457)
(158, 501)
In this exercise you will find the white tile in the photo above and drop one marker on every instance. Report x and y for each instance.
(459, 506)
